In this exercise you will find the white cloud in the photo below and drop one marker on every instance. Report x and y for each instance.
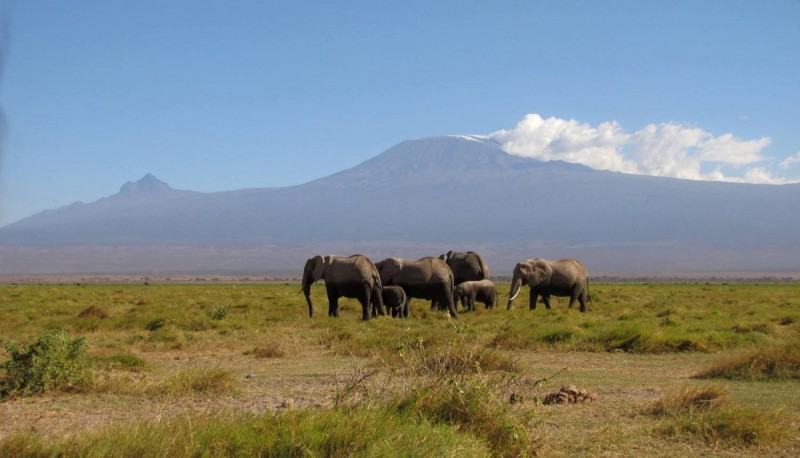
(790, 161)
(668, 149)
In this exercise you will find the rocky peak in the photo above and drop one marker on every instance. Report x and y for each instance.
(147, 185)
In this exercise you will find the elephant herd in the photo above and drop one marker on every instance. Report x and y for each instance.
(444, 280)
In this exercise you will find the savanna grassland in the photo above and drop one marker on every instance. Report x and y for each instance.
(240, 369)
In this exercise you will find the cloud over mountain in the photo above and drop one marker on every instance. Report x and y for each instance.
(665, 150)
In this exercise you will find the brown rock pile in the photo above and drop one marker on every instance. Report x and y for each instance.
(569, 394)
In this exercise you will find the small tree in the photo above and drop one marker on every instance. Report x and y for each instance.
(54, 362)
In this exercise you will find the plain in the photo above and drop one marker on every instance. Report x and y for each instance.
(239, 369)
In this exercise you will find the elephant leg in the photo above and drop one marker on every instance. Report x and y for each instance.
(546, 300)
(434, 305)
(582, 299)
(534, 298)
(573, 298)
(472, 298)
(333, 306)
(405, 308)
(377, 300)
(333, 300)
(366, 302)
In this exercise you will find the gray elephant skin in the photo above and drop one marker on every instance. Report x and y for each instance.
(565, 277)
(353, 277)
(467, 266)
(426, 278)
(483, 291)
(395, 300)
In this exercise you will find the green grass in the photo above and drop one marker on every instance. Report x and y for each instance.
(447, 382)
(337, 433)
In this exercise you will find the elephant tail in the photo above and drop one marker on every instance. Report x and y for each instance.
(588, 295)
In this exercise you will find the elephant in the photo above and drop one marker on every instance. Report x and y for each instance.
(354, 277)
(467, 266)
(425, 278)
(478, 290)
(565, 277)
(395, 298)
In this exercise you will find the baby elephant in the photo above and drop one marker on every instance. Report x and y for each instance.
(479, 290)
(396, 300)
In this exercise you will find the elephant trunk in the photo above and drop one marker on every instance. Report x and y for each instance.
(516, 286)
(306, 286)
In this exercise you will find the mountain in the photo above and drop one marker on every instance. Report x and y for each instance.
(424, 197)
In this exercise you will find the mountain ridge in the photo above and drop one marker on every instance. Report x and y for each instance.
(454, 192)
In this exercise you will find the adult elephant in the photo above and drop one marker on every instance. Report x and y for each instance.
(426, 278)
(565, 277)
(469, 266)
(354, 277)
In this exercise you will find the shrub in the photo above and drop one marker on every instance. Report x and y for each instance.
(54, 362)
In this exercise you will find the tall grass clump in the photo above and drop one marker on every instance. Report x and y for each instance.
(213, 380)
(771, 363)
(707, 413)
(464, 385)
(361, 432)
(53, 362)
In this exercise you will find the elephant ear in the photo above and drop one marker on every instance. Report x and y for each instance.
(319, 266)
(389, 268)
(542, 271)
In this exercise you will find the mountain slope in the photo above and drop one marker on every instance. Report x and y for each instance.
(452, 192)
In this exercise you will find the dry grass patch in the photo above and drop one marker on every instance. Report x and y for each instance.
(773, 363)
(268, 350)
(95, 311)
(212, 380)
(708, 414)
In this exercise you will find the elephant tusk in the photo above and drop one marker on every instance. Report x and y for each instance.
(515, 295)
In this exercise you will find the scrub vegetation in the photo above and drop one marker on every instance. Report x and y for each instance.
(225, 369)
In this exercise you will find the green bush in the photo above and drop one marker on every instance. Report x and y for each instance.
(54, 362)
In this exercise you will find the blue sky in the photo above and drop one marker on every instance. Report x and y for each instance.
(213, 96)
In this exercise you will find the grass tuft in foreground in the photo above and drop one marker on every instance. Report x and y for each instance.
(333, 433)
(708, 414)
